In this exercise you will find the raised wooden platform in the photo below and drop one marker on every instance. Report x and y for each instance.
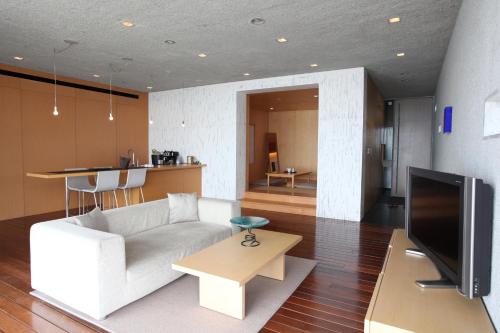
(399, 305)
(290, 204)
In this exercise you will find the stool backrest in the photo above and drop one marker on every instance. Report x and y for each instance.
(107, 180)
(78, 181)
(136, 178)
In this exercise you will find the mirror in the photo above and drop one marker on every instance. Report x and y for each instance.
(272, 152)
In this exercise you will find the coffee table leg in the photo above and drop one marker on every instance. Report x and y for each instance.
(223, 296)
(275, 269)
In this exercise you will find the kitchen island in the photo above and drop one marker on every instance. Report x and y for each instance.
(160, 180)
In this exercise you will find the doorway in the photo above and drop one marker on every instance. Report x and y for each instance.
(282, 142)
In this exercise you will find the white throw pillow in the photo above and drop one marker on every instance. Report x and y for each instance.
(94, 220)
(183, 207)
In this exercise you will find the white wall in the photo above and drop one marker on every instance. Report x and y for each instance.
(471, 72)
(215, 133)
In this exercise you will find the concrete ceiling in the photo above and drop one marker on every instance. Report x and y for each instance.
(335, 34)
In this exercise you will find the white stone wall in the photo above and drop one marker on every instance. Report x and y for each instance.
(216, 128)
(471, 73)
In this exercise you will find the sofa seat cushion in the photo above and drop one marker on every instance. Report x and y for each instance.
(153, 251)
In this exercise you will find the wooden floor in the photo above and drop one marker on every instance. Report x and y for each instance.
(333, 298)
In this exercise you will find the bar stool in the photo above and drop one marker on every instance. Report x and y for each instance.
(106, 181)
(135, 179)
(77, 184)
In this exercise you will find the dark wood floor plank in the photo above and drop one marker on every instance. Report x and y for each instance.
(27, 317)
(11, 324)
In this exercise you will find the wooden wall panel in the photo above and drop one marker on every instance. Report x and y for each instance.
(297, 133)
(32, 139)
(95, 133)
(260, 121)
(372, 162)
(48, 144)
(132, 130)
(11, 168)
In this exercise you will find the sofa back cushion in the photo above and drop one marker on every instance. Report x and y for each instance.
(133, 219)
(94, 219)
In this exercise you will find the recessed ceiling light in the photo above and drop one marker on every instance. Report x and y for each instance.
(313, 65)
(202, 55)
(246, 74)
(257, 21)
(281, 40)
(18, 58)
(315, 96)
(169, 41)
(96, 75)
(127, 24)
(394, 20)
(400, 54)
(271, 108)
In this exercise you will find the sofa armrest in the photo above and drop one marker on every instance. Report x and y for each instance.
(219, 211)
(80, 267)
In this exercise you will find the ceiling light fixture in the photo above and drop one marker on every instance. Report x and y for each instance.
(313, 65)
(315, 96)
(271, 108)
(96, 75)
(400, 54)
(246, 74)
(127, 24)
(149, 87)
(281, 40)
(394, 20)
(257, 21)
(18, 58)
(169, 41)
(202, 55)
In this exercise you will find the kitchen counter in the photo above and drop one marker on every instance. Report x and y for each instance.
(160, 180)
(93, 171)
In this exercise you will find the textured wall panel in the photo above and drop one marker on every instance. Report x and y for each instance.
(471, 73)
(215, 134)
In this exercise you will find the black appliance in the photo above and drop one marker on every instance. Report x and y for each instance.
(449, 218)
(170, 157)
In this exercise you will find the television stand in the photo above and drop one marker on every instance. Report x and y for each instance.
(440, 283)
(398, 305)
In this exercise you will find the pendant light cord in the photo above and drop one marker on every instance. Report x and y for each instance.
(110, 95)
(55, 79)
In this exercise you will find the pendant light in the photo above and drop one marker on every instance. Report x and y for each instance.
(110, 98)
(150, 87)
(183, 123)
(55, 112)
(69, 43)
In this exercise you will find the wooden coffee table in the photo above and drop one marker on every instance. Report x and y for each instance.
(225, 268)
(288, 175)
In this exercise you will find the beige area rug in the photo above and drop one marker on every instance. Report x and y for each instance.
(174, 308)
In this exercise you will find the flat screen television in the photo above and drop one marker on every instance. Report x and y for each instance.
(449, 218)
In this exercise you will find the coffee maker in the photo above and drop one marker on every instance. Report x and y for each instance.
(170, 157)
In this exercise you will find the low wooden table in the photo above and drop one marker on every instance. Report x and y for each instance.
(287, 175)
(225, 268)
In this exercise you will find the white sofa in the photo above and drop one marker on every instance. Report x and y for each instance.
(99, 272)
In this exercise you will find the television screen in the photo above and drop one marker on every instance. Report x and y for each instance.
(435, 219)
